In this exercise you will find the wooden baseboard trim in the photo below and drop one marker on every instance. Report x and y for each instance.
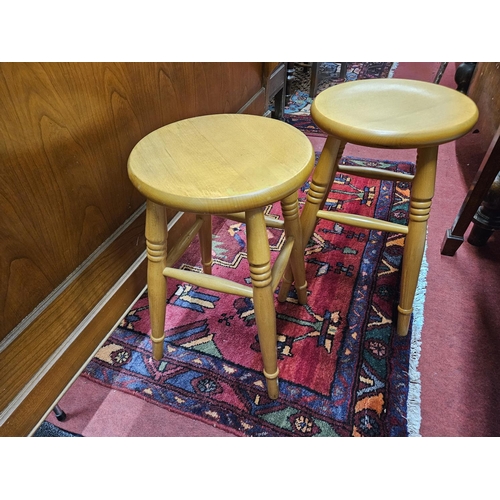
(44, 358)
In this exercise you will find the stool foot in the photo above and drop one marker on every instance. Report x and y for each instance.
(272, 384)
(301, 293)
(59, 413)
(403, 325)
(157, 347)
(451, 243)
(286, 283)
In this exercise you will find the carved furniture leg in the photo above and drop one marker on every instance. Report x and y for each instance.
(463, 76)
(259, 259)
(487, 218)
(422, 192)
(156, 243)
(488, 170)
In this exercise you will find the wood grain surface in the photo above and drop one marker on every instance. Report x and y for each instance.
(72, 242)
(66, 130)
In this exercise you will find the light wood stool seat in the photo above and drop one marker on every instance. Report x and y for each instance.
(386, 113)
(232, 165)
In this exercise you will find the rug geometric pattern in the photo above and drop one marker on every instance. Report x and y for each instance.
(343, 370)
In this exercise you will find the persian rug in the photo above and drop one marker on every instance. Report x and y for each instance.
(329, 75)
(48, 429)
(343, 369)
(297, 110)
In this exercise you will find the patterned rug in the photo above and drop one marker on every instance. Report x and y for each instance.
(343, 369)
(298, 105)
(48, 429)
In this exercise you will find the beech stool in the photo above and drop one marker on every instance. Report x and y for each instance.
(231, 165)
(394, 114)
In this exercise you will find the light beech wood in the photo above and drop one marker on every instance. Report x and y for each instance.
(165, 166)
(362, 221)
(282, 261)
(374, 173)
(387, 113)
(156, 245)
(394, 113)
(322, 178)
(422, 192)
(270, 221)
(205, 236)
(224, 164)
(208, 281)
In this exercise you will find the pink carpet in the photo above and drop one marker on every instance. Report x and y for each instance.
(460, 351)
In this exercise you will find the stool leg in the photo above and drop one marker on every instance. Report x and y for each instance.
(290, 210)
(156, 244)
(422, 191)
(322, 179)
(259, 259)
(321, 183)
(205, 236)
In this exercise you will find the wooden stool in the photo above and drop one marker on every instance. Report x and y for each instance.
(394, 114)
(231, 165)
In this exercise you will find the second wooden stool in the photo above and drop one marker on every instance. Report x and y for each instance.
(394, 114)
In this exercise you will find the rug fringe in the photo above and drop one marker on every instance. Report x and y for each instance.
(414, 417)
(393, 69)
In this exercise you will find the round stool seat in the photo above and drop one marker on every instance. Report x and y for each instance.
(223, 163)
(394, 113)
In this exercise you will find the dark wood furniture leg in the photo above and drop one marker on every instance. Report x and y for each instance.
(440, 71)
(488, 171)
(290, 75)
(314, 79)
(487, 217)
(463, 76)
(276, 90)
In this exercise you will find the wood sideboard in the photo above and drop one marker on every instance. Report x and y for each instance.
(72, 249)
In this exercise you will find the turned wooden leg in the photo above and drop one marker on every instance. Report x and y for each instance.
(422, 191)
(487, 218)
(205, 236)
(290, 210)
(156, 244)
(322, 179)
(259, 259)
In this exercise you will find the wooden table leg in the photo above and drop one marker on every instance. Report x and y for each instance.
(488, 170)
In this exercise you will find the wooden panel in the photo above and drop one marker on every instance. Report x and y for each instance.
(66, 130)
(71, 224)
